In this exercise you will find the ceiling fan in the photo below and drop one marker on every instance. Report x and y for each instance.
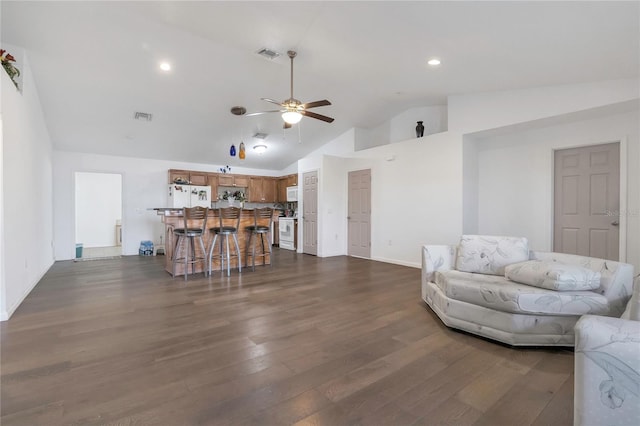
(292, 109)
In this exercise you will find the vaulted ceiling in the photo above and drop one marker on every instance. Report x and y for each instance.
(97, 63)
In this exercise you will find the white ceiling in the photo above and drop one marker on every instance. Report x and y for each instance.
(96, 63)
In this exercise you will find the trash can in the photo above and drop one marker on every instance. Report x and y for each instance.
(79, 251)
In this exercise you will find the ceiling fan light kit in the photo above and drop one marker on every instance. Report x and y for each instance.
(291, 117)
(292, 109)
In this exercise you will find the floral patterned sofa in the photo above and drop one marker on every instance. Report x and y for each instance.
(465, 285)
(607, 367)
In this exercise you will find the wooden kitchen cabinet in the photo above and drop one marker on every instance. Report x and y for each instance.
(196, 178)
(182, 175)
(241, 181)
(212, 181)
(225, 180)
(262, 189)
(282, 190)
(255, 190)
(269, 189)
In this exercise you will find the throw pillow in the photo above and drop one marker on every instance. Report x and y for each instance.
(485, 254)
(553, 275)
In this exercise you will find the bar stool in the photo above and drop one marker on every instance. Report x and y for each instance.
(185, 237)
(229, 222)
(262, 219)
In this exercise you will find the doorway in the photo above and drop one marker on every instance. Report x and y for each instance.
(98, 215)
(310, 213)
(587, 200)
(359, 218)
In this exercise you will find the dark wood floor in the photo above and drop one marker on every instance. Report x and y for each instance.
(311, 341)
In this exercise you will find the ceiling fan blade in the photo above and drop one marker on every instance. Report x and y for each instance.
(287, 125)
(315, 104)
(317, 116)
(272, 101)
(262, 112)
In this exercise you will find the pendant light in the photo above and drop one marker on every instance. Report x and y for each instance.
(241, 154)
(238, 110)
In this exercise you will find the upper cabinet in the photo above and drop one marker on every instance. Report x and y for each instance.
(281, 196)
(241, 181)
(196, 178)
(292, 180)
(270, 189)
(262, 189)
(178, 175)
(212, 181)
(233, 180)
(225, 180)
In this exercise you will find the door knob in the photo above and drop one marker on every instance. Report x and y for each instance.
(615, 223)
(348, 217)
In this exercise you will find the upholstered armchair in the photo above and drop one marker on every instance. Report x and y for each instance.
(607, 367)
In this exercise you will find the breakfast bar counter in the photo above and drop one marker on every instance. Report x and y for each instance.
(173, 218)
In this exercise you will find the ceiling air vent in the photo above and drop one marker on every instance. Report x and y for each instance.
(268, 53)
(260, 135)
(142, 116)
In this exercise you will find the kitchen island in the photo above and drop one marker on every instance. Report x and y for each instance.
(173, 218)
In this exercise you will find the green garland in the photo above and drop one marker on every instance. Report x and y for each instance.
(11, 70)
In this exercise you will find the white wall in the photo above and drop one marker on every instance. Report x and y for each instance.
(415, 187)
(516, 177)
(3, 296)
(27, 230)
(333, 209)
(470, 177)
(429, 186)
(403, 126)
(416, 196)
(98, 207)
(143, 187)
(482, 111)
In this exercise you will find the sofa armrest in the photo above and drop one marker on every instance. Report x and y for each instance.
(607, 371)
(435, 258)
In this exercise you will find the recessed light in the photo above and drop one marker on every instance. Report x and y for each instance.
(165, 66)
(434, 62)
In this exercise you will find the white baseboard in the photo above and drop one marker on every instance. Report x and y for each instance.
(398, 262)
(5, 315)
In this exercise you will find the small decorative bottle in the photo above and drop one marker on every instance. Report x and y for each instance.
(419, 130)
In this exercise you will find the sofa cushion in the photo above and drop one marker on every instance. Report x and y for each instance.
(553, 275)
(485, 254)
(499, 293)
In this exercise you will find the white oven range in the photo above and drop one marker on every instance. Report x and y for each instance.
(286, 231)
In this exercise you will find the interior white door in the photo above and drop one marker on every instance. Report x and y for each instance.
(310, 213)
(359, 219)
(587, 200)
